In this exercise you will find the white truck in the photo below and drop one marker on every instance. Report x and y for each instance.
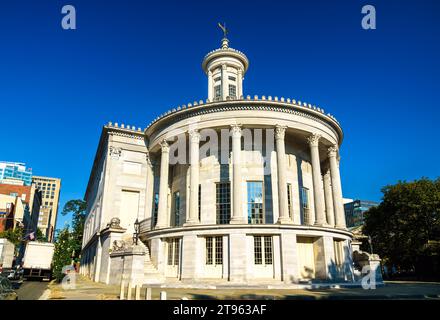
(7, 249)
(37, 260)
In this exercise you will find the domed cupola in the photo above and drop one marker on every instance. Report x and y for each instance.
(225, 68)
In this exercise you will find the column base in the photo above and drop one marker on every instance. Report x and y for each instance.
(321, 224)
(191, 223)
(284, 220)
(238, 221)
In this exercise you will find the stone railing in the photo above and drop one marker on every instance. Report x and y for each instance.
(300, 105)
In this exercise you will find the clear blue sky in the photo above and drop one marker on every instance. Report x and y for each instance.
(129, 61)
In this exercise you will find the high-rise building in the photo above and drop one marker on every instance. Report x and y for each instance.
(50, 189)
(354, 211)
(16, 170)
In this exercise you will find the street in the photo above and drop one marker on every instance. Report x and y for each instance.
(30, 290)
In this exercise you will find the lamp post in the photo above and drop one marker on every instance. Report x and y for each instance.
(136, 232)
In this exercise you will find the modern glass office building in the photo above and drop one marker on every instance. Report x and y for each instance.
(354, 211)
(16, 170)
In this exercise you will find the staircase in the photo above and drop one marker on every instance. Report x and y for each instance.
(151, 274)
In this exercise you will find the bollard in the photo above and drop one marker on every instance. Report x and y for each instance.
(121, 293)
(129, 291)
(163, 295)
(148, 294)
(137, 295)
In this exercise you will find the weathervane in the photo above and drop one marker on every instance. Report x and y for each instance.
(223, 27)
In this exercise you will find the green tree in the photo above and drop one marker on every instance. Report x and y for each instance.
(64, 248)
(78, 210)
(15, 236)
(40, 236)
(405, 222)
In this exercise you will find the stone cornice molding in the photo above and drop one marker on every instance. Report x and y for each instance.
(185, 112)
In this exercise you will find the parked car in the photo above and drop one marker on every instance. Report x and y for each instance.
(6, 290)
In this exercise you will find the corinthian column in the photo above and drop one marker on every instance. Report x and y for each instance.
(281, 169)
(328, 199)
(336, 188)
(193, 217)
(237, 211)
(163, 186)
(317, 180)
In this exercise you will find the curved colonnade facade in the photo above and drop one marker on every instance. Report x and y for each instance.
(234, 190)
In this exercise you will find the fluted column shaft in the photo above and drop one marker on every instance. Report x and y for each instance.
(336, 188)
(317, 180)
(237, 210)
(281, 169)
(225, 87)
(163, 186)
(194, 138)
(328, 199)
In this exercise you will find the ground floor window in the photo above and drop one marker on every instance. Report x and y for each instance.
(255, 202)
(173, 251)
(214, 250)
(263, 250)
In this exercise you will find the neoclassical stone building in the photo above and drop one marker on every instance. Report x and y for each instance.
(232, 190)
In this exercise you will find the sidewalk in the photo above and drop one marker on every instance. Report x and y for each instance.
(88, 290)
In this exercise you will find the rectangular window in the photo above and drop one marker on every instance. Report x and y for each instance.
(177, 209)
(173, 251)
(255, 202)
(200, 202)
(223, 202)
(232, 90)
(263, 250)
(217, 91)
(214, 250)
(305, 204)
(209, 247)
(289, 199)
(156, 208)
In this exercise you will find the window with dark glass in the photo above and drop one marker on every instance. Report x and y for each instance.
(232, 90)
(223, 202)
(177, 216)
(255, 202)
(214, 250)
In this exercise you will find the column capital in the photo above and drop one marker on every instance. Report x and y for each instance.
(165, 146)
(194, 135)
(280, 132)
(236, 130)
(332, 151)
(148, 159)
(209, 73)
(224, 66)
(313, 140)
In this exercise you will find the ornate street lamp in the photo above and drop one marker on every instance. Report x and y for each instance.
(136, 232)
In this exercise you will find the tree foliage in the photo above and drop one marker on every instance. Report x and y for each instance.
(64, 248)
(40, 236)
(78, 210)
(15, 236)
(405, 223)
